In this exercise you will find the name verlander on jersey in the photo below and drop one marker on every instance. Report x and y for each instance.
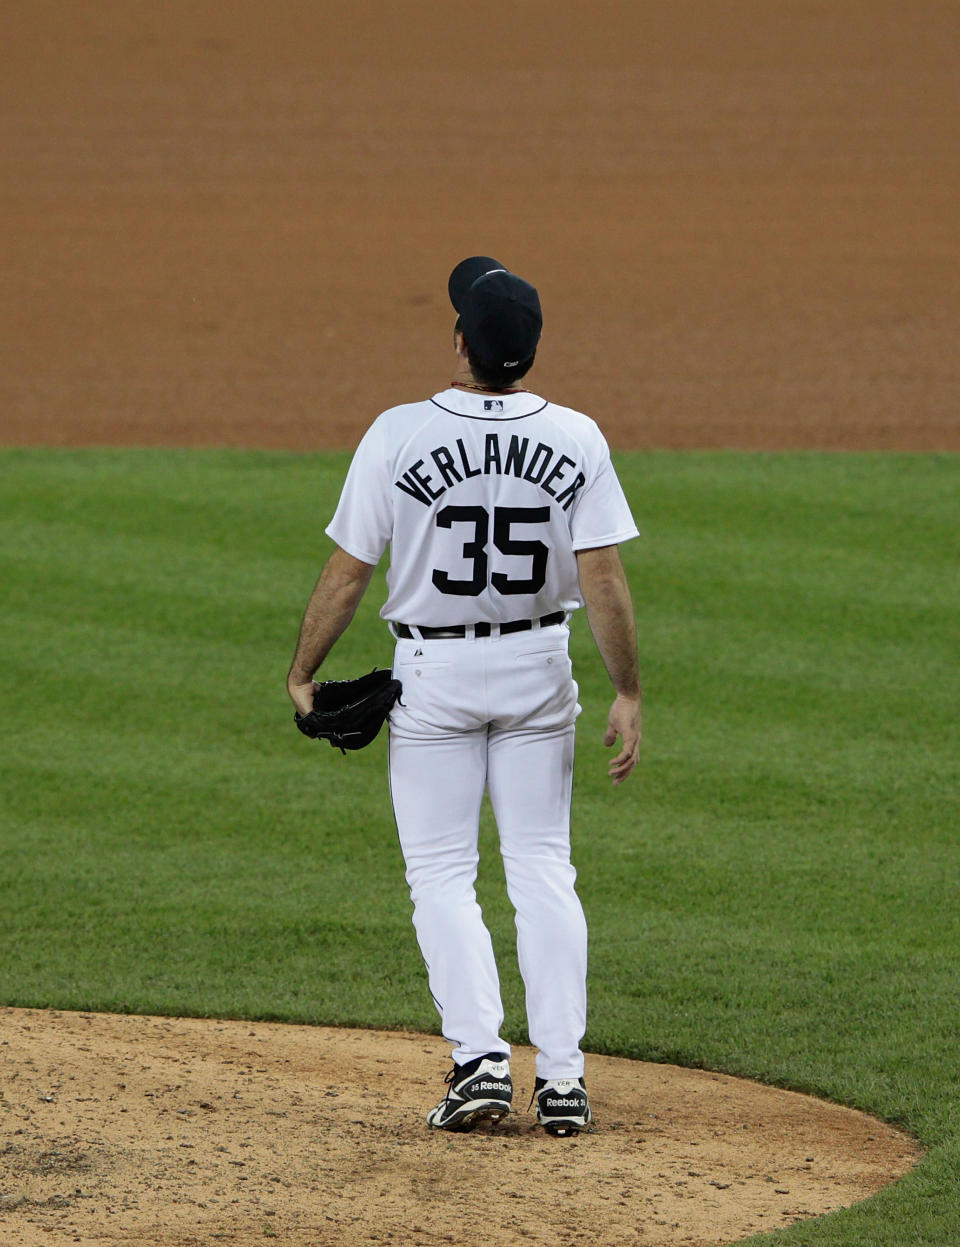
(542, 466)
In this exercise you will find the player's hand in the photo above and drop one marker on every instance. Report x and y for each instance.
(301, 695)
(626, 722)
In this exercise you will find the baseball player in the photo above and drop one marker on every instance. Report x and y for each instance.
(503, 515)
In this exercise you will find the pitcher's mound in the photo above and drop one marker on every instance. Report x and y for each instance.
(181, 1131)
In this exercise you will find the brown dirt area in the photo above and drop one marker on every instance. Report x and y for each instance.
(232, 225)
(180, 1133)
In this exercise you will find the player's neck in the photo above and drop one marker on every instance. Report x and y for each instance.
(465, 380)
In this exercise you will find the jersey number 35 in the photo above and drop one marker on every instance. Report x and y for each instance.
(505, 519)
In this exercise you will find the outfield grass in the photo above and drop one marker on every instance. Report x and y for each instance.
(774, 894)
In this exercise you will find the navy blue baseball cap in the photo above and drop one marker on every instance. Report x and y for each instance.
(500, 314)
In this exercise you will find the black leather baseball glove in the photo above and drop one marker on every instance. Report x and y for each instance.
(350, 713)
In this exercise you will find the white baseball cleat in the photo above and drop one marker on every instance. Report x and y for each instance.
(562, 1105)
(480, 1090)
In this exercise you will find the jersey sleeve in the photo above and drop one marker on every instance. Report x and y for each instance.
(363, 521)
(601, 515)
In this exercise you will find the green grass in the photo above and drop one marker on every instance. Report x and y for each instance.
(776, 892)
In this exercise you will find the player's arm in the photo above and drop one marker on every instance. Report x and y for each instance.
(606, 595)
(335, 598)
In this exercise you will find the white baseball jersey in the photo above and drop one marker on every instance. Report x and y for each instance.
(484, 500)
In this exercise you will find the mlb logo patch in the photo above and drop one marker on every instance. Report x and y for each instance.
(493, 404)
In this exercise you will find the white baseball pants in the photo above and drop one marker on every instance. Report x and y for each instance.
(495, 713)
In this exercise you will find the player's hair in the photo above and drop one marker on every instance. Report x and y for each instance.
(494, 376)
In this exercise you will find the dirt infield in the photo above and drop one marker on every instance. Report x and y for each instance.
(180, 1133)
(232, 225)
